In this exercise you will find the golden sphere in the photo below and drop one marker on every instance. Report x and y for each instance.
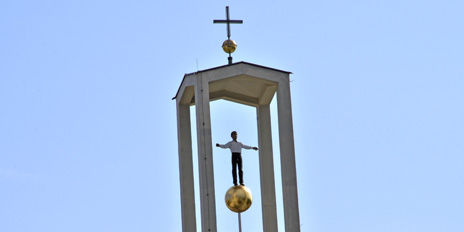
(229, 46)
(238, 198)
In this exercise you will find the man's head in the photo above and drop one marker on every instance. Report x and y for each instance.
(233, 135)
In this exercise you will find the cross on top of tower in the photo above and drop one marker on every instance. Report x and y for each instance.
(228, 21)
(229, 45)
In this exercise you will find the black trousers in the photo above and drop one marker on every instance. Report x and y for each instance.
(237, 161)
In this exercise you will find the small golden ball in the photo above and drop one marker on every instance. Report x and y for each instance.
(238, 198)
(229, 46)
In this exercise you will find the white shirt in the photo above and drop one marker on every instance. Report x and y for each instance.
(235, 146)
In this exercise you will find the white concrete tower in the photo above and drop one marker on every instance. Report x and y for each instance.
(248, 84)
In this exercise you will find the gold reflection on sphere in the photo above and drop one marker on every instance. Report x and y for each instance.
(229, 46)
(238, 198)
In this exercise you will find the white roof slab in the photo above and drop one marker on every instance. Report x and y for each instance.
(241, 82)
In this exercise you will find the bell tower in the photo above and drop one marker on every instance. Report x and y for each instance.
(248, 84)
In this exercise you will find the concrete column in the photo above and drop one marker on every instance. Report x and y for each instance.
(287, 157)
(187, 193)
(266, 169)
(205, 156)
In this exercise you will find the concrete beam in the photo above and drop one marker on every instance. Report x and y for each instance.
(234, 97)
(205, 156)
(187, 193)
(266, 169)
(267, 95)
(287, 157)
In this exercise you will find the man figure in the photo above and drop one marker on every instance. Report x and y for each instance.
(236, 149)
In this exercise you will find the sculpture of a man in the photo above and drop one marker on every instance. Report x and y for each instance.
(236, 149)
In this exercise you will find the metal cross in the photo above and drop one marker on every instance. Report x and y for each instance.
(228, 22)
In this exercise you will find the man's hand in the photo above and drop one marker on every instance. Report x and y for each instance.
(255, 148)
(217, 145)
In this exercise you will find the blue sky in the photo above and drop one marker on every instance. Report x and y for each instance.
(88, 129)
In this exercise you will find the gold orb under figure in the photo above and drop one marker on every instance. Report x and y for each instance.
(239, 198)
(229, 46)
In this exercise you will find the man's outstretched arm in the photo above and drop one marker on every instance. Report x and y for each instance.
(227, 145)
(249, 147)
